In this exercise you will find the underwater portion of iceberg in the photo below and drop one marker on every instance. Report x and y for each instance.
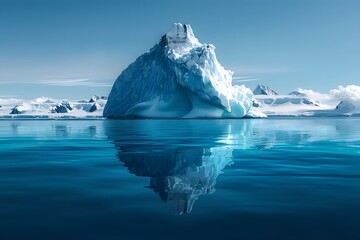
(178, 78)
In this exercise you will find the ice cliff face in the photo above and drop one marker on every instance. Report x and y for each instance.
(178, 78)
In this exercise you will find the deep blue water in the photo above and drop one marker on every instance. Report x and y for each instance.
(180, 179)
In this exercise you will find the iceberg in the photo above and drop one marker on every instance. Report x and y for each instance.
(178, 78)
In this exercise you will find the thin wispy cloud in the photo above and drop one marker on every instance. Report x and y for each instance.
(243, 74)
(242, 79)
(87, 82)
(65, 82)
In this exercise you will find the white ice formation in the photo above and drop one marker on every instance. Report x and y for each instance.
(178, 78)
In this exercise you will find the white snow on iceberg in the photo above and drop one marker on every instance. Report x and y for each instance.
(178, 78)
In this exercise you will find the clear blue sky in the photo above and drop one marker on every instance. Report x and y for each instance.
(74, 49)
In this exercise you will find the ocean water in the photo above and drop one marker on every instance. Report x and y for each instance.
(180, 179)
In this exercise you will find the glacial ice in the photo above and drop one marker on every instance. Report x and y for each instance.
(178, 78)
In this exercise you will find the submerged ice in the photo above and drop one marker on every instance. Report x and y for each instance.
(178, 78)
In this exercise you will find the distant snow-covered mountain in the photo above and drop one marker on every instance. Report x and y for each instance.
(345, 107)
(51, 108)
(303, 103)
(264, 90)
(266, 96)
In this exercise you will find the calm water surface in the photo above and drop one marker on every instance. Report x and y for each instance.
(180, 179)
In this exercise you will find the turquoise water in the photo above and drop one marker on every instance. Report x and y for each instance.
(180, 179)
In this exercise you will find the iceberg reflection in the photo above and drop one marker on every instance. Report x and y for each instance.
(182, 167)
(181, 179)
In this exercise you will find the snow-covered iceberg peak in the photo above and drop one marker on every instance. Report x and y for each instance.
(181, 39)
(181, 33)
(178, 78)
